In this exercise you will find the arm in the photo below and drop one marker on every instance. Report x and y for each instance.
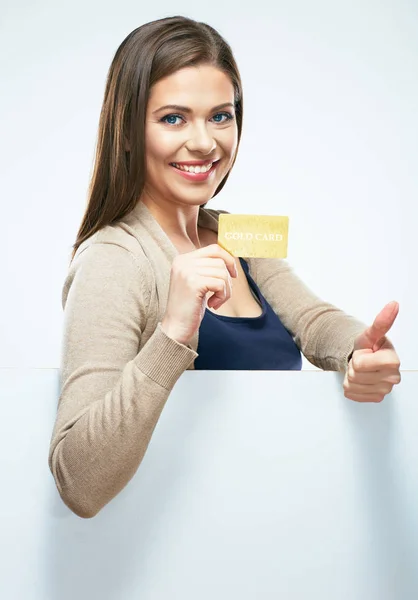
(111, 394)
(324, 333)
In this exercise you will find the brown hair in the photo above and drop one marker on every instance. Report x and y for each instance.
(151, 52)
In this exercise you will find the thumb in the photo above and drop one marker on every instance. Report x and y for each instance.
(371, 337)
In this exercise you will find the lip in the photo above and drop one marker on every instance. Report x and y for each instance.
(197, 177)
(195, 163)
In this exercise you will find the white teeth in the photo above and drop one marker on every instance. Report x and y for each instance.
(194, 169)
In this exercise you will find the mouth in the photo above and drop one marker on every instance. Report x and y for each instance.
(197, 170)
(195, 167)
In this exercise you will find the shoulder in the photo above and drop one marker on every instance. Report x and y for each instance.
(112, 257)
(118, 235)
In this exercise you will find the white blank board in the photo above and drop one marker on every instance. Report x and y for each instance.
(255, 485)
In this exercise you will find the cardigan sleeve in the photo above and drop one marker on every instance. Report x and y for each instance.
(112, 390)
(324, 333)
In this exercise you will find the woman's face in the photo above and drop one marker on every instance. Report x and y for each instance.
(190, 136)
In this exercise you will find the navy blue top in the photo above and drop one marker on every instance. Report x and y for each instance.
(246, 343)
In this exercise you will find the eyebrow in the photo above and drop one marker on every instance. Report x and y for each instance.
(186, 109)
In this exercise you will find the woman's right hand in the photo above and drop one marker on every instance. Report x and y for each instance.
(195, 275)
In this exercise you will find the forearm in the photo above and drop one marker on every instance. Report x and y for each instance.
(327, 340)
(323, 332)
(95, 451)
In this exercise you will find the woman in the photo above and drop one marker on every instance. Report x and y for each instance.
(150, 294)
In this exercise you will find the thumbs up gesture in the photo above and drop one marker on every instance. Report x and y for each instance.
(374, 366)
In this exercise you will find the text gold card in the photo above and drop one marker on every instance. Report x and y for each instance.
(254, 236)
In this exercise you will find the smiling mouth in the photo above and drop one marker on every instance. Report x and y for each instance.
(195, 168)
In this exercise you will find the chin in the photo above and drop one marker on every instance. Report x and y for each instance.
(194, 201)
(193, 197)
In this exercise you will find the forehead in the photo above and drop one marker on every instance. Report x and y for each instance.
(202, 85)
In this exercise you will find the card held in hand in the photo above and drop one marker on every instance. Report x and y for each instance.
(254, 236)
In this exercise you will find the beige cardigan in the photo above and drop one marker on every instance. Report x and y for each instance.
(118, 367)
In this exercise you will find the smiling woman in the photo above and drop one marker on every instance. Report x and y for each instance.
(149, 292)
(170, 79)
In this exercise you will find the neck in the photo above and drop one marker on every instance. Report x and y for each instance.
(180, 223)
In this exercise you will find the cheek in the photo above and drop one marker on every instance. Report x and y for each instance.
(232, 149)
(230, 142)
(160, 145)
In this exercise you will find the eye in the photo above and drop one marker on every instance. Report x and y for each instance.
(171, 119)
(218, 118)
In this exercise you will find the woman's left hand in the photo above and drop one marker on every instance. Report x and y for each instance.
(374, 366)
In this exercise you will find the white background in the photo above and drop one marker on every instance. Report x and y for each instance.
(330, 139)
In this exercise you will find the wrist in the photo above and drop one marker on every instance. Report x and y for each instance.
(173, 333)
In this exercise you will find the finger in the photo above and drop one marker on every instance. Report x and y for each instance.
(365, 397)
(216, 266)
(211, 263)
(384, 359)
(218, 273)
(215, 251)
(362, 388)
(214, 271)
(218, 286)
(370, 378)
(382, 324)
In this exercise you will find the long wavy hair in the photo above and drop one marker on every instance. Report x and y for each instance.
(149, 53)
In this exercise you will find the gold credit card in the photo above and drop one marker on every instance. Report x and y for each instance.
(254, 236)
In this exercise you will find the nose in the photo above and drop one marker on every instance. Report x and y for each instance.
(201, 140)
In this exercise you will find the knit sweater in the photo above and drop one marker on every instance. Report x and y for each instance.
(118, 366)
